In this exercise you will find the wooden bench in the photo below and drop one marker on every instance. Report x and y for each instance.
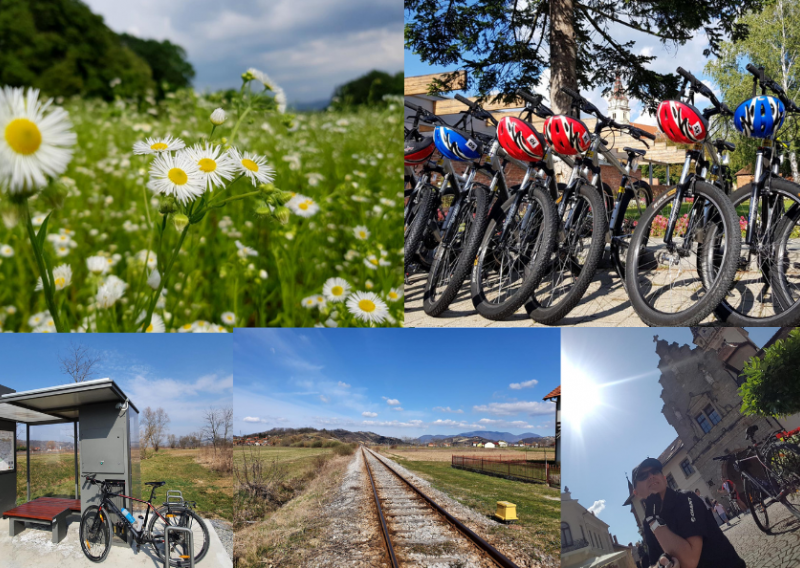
(48, 511)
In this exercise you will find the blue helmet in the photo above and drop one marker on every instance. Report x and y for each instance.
(454, 145)
(759, 117)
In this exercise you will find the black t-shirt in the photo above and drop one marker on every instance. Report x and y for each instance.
(686, 515)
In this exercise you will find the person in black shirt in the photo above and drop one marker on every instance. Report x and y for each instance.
(678, 525)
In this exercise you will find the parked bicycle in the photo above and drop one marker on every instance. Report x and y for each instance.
(96, 529)
(777, 480)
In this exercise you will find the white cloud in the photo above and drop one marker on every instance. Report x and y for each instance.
(510, 408)
(344, 385)
(449, 422)
(391, 401)
(398, 408)
(324, 398)
(267, 420)
(505, 423)
(526, 384)
(409, 424)
(369, 414)
(447, 409)
(597, 507)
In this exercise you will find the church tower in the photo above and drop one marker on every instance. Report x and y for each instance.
(618, 107)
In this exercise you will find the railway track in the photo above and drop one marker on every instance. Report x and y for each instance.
(419, 533)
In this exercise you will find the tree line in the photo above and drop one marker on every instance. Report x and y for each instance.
(216, 432)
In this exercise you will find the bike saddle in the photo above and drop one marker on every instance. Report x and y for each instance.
(636, 151)
(750, 431)
(155, 483)
(720, 145)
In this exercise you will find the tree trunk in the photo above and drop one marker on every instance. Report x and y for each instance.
(793, 163)
(563, 53)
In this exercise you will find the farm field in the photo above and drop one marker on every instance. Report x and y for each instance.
(258, 256)
(538, 506)
(443, 454)
(297, 462)
(54, 475)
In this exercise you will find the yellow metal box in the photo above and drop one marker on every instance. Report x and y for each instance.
(506, 511)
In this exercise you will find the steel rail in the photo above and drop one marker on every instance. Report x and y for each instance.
(385, 528)
(499, 558)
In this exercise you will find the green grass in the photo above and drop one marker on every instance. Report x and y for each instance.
(298, 462)
(539, 516)
(54, 475)
(348, 162)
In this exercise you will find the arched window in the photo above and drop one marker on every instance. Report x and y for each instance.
(566, 535)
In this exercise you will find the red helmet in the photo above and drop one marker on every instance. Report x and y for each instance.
(567, 135)
(520, 139)
(417, 151)
(681, 122)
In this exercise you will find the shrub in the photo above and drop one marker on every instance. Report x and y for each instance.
(344, 449)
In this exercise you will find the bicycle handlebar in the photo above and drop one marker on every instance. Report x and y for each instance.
(476, 110)
(534, 100)
(412, 106)
(701, 88)
(767, 82)
(586, 106)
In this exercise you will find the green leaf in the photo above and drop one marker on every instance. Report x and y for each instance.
(42, 234)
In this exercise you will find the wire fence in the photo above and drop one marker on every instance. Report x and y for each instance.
(511, 467)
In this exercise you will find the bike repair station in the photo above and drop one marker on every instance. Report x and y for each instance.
(105, 423)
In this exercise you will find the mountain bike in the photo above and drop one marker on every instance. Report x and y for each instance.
(96, 529)
(585, 214)
(766, 289)
(465, 222)
(521, 233)
(777, 480)
(671, 279)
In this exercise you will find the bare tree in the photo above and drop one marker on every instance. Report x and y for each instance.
(78, 362)
(215, 427)
(227, 424)
(172, 440)
(153, 426)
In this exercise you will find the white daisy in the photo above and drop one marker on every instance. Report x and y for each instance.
(149, 256)
(38, 318)
(302, 205)
(6, 251)
(36, 140)
(245, 251)
(186, 328)
(158, 145)
(97, 264)
(218, 117)
(372, 262)
(262, 274)
(336, 289)
(263, 78)
(309, 302)
(253, 166)
(395, 294)
(280, 98)
(45, 328)
(62, 276)
(361, 232)
(156, 324)
(228, 318)
(154, 280)
(369, 285)
(214, 164)
(367, 306)
(322, 303)
(177, 175)
(110, 291)
(62, 251)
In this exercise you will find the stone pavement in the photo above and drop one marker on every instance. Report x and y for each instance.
(781, 549)
(605, 304)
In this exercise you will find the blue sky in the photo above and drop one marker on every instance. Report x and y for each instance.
(600, 446)
(668, 58)
(396, 382)
(307, 47)
(182, 373)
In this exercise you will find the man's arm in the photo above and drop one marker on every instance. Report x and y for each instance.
(686, 550)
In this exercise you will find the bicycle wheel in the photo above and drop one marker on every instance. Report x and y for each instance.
(453, 260)
(506, 271)
(633, 206)
(419, 225)
(95, 534)
(178, 543)
(755, 500)
(571, 266)
(783, 459)
(785, 279)
(752, 300)
(664, 282)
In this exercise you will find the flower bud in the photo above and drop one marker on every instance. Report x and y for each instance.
(218, 117)
(282, 215)
(180, 221)
(168, 205)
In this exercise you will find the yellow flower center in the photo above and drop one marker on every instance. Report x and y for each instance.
(393, 295)
(374, 261)
(362, 234)
(23, 136)
(250, 165)
(303, 205)
(177, 176)
(158, 146)
(207, 165)
(367, 305)
(187, 326)
(150, 328)
(337, 290)
(60, 282)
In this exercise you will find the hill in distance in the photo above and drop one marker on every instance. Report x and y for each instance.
(489, 436)
(310, 434)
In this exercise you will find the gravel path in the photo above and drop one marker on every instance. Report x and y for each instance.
(225, 532)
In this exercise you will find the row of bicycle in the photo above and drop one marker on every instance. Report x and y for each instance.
(700, 247)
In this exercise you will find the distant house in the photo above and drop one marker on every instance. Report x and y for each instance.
(431, 444)
(489, 445)
(502, 444)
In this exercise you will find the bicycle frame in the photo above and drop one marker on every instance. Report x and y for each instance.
(140, 537)
(769, 491)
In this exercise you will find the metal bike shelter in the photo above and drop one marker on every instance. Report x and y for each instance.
(105, 424)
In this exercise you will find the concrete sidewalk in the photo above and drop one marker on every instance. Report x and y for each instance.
(33, 547)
